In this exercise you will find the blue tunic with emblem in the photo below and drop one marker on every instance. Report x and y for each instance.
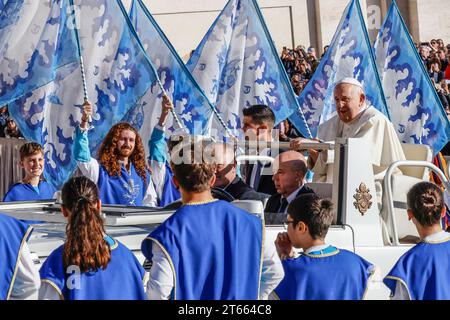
(424, 271)
(170, 192)
(13, 234)
(331, 274)
(215, 250)
(26, 192)
(121, 280)
(127, 189)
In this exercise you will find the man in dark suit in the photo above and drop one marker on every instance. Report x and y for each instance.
(289, 176)
(259, 121)
(226, 176)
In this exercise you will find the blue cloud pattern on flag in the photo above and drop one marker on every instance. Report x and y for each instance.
(191, 105)
(350, 55)
(41, 81)
(237, 65)
(417, 113)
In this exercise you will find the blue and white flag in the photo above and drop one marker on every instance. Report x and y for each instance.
(416, 111)
(191, 105)
(350, 55)
(40, 74)
(237, 65)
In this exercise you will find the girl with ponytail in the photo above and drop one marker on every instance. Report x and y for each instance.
(422, 272)
(90, 265)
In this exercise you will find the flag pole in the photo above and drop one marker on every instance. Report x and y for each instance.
(213, 108)
(80, 56)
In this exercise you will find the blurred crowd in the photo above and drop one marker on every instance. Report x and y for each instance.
(300, 64)
(8, 127)
(435, 56)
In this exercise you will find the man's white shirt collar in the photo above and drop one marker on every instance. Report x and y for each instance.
(293, 195)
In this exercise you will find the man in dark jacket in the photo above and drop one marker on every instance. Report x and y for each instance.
(258, 124)
(289, 176)
(226, 175)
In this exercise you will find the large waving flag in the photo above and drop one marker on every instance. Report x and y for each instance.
(40, 74)
(237, 65)
(191, 105)
(350, 55)
(415, 108)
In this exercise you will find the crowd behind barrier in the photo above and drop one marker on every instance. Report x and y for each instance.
(10, 170)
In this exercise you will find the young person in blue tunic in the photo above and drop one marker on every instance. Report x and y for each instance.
(32, 186)
(322, 271)
(90, 265)
(162, 174)
(121, 172)
(19, 278)
(208, 249)
(422, 272)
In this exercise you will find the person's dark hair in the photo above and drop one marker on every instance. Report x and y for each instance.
(433, 61)
(85, 246)
(315, 212)
(260, 114)
(29, 149)
(174, 140)
(426, 202)
(195, 175)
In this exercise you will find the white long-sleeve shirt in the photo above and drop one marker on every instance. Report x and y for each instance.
(91, 170)
(161, 280)
(27, 281)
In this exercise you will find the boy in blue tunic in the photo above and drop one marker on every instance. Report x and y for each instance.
(321, 272)
(90, 265)
(422, 272)
(121, 172)
(32, 186)
(208, 249)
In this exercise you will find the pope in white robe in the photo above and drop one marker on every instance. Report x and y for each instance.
(355, 119)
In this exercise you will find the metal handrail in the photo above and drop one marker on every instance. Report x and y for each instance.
(285, 145)
(242, 158)
(387, 186)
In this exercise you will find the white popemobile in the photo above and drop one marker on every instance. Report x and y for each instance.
(380, 235)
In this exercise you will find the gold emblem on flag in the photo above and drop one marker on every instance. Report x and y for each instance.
(363, 199)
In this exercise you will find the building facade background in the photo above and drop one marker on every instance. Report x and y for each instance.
(294, 22)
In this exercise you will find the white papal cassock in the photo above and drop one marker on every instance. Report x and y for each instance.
(378, 132)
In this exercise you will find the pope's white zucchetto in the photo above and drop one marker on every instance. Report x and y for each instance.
(352, 81)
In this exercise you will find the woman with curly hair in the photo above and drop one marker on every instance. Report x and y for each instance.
(90, 265)
(120, 172)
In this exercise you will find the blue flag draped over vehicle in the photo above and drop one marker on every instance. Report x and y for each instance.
(40, 74)
(416, 111)
(191, 105)
(237, 65)
(350, 55)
